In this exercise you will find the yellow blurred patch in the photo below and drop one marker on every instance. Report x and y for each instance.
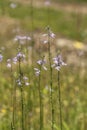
(3, 111)
(65, 102)
(78, 45)
(71, 79)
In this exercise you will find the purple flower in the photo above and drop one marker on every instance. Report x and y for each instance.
(19, 83)
(37, 71)
(22, 39)
(1, 57)
(50, 34)
(9, 63)
(47, 35)
(15, 60)
(23, 81)
(42, 62)
(20, 56)
(58, 62)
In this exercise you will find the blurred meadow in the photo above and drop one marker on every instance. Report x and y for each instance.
(29, 92)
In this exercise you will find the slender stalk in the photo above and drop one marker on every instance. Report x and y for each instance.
(32, 27)
(48, 15)
(14, 106)
(13, 103)
(51, 83)
(41, 102)
(60, 104)
(22, 106)
(32, 14)
(22, 100)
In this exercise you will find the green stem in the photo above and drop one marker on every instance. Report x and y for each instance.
(22, 100)
(41, 102)
(60, 104)
(14, 108)
(32, 27)
(48, 15)
(32, 14)
(51, 85)
(13, 100)
(22, 106)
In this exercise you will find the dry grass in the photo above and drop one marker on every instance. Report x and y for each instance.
(6, 23)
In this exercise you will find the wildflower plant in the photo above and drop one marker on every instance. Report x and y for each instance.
(58, 63)
(13, 93)
(41, 64)
(49, 36)
(47, 4)
(21, 81)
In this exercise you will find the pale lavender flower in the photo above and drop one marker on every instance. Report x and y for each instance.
(26, 83)
(20, 56)
(47, 35)
(58, 62)
(45, 42)
(42, 62)
(19, 83)
(25, 78)
(9, 63)
(1, 57)
(15, 60)
(23, 81)
(13, 5)
(22, 39)
(50, 34)
(47, 2)
(37, 71)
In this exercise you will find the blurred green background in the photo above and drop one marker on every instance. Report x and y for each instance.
(68, 20)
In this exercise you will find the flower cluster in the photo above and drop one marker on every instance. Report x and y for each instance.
(19, 57)
(58, 62)
(22, 39)
(49, 34)
(37, 71)
(41, 63)
(9, 63)
(22, 81)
